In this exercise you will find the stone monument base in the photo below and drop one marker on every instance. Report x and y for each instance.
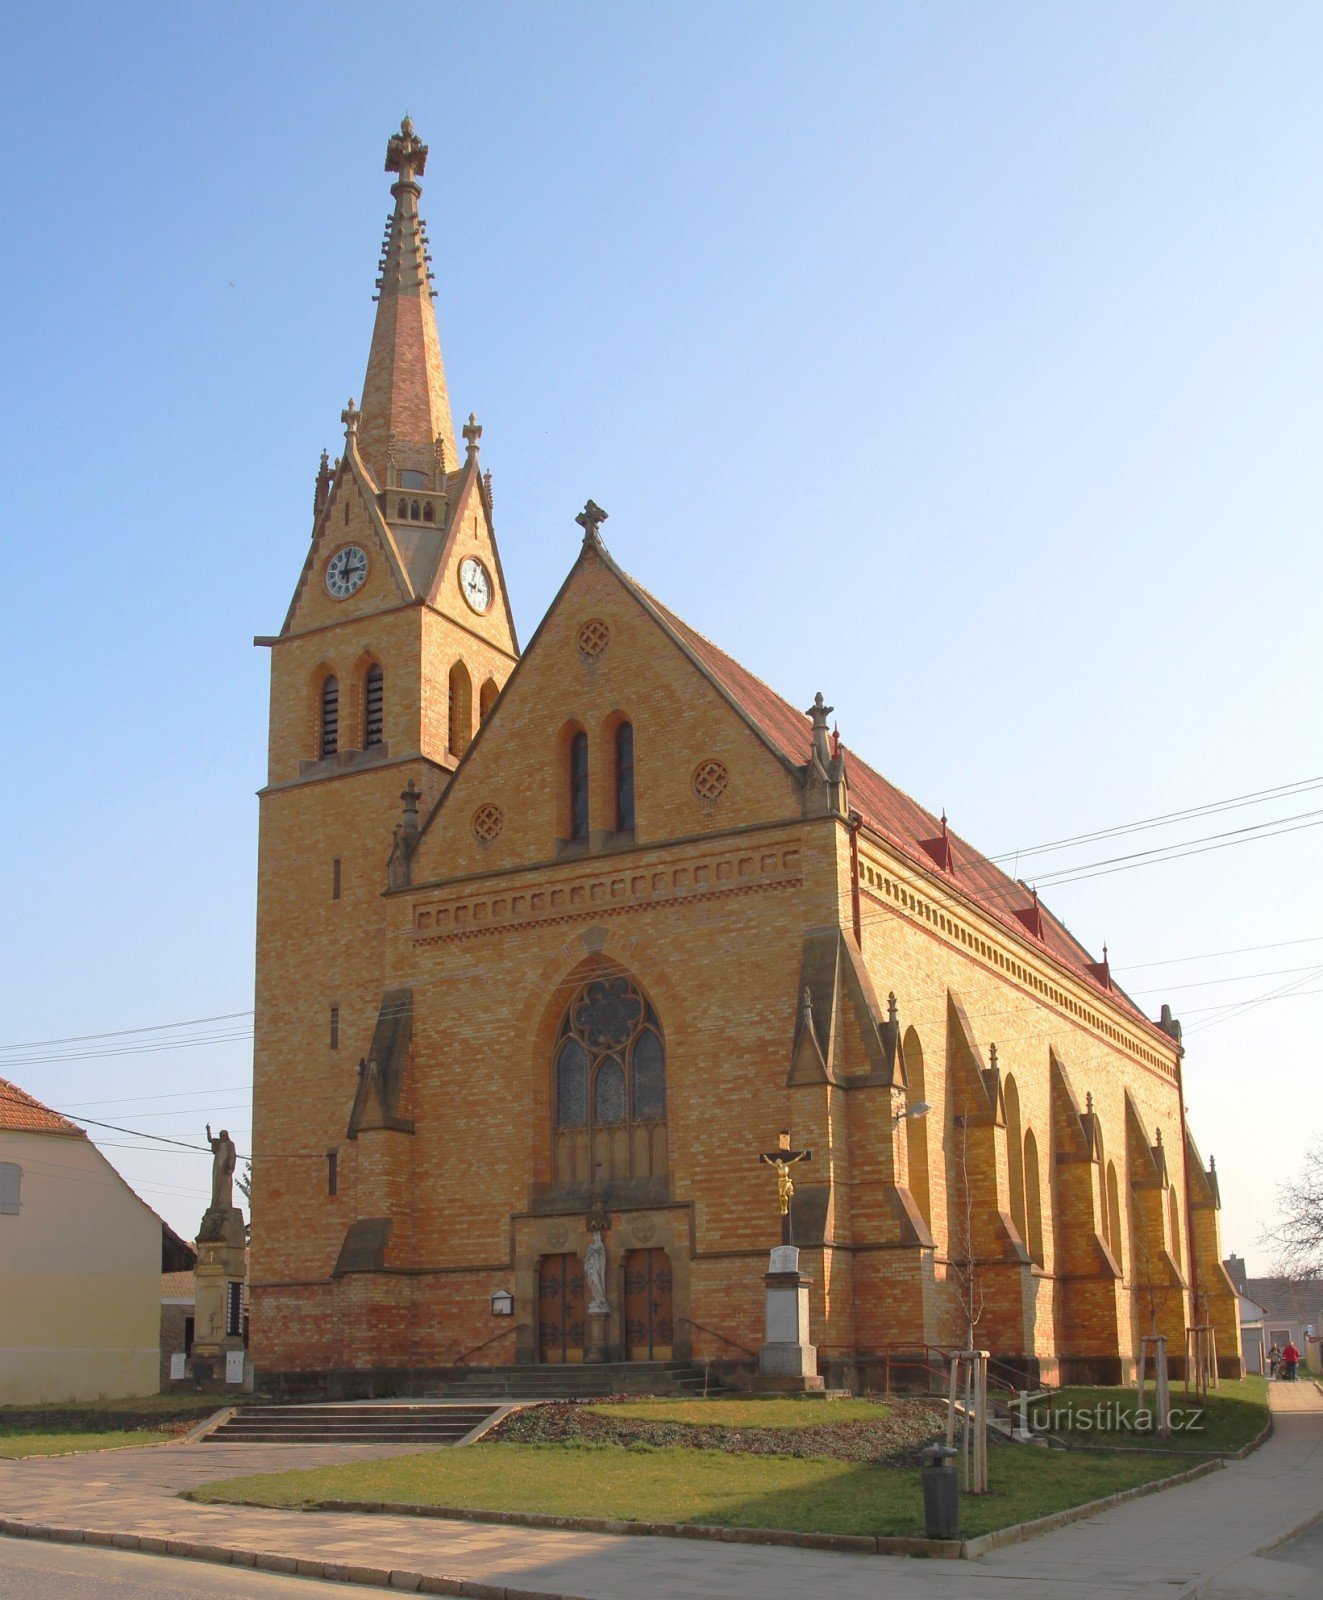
(787, 1363)
(595, 1346)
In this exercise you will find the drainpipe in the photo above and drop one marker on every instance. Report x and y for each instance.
(855, 822)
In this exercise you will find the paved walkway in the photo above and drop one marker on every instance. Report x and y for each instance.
(1203, 1539)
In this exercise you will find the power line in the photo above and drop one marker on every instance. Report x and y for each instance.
(113, 1126)
(1257, 797)
(119, 1033)
(1173, 852)
(1210, 955)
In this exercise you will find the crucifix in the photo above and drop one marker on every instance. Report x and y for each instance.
(781, 1160)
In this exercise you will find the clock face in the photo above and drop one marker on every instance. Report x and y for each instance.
(345, 571)
(474, 583)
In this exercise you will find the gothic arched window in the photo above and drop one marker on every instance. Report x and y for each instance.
(415, 511)
(428, 514)
(610, 1090)
(330, 741)
(625, 778)
(461, 709)
(374, 706)
(578, 776)
(402, 511)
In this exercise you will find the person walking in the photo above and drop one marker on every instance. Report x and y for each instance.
(1290, 1361)
(1274, 1359)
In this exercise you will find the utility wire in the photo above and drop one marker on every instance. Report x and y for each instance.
(1257, 797)
(117, 1033)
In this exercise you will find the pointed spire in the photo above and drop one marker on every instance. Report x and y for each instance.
(404, 392)
(323, 487)
(819, 711)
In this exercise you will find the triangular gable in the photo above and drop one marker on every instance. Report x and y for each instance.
(841, 1036)
(351, 478)
(596, 580)
(471, 498)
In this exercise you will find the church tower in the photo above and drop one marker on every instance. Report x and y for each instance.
(398, 639)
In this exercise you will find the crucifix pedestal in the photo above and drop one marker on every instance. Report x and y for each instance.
(787, 1363)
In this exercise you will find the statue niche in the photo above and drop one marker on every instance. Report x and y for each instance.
(610, 1089)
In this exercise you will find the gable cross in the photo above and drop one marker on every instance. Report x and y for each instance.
(349, 416)
(781, 1160)
(472, 431)
(590, 519)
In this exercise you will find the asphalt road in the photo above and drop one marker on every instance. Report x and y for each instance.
(32, 1570)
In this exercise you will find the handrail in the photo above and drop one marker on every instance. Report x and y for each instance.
(733, 1343)
(503, 1334)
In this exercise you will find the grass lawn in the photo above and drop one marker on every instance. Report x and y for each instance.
(731, 1412)
(675, 1484)
(106, 1424)
(57, 1444)
(1233, 1414)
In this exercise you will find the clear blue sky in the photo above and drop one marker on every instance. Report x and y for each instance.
(959, 361)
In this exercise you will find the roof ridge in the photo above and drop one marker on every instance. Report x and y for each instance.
(990, 887)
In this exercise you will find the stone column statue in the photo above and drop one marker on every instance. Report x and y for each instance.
(594, 1266)
(223, 1159)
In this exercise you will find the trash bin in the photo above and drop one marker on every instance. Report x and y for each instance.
(941, 1492)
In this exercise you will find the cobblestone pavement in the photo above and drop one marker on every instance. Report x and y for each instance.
(1204, 1538)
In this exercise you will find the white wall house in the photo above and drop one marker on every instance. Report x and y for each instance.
(80, 1265)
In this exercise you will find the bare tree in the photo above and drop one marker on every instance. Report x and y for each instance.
(1297, 1238)
(962, 1251)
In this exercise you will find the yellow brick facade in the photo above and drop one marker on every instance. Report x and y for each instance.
(806, 966)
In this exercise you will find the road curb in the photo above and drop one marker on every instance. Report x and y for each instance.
(396, 1579)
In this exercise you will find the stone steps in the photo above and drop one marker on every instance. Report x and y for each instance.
(352, 1423)
(673, 1379)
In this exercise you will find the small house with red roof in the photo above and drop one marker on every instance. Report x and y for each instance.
(81, 1258)
(556, 941)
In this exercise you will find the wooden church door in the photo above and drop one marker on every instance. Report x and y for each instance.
(649, 1309)
(560, 1306)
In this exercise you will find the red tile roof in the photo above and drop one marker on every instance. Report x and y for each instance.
(20, 1113)
(891, 813)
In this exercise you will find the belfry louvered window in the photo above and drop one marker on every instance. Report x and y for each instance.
(374, 702)
(330, 716)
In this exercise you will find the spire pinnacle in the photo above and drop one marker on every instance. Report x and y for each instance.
(405, 400)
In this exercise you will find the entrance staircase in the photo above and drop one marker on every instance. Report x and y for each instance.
(674, 1379)
(352, 1422)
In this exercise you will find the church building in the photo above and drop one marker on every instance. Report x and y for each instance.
(556, 941)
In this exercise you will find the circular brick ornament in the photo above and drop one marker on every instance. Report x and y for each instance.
(487, 823)
(594, 637)
(644, 1229)
(558, 1236)
(710, 780)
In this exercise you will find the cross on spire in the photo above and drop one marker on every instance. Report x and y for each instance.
(590, 519)
(406, 153)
